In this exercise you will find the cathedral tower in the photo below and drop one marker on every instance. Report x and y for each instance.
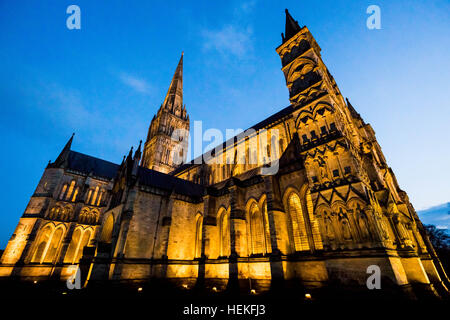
(344, 182)
(168, 128)
(345, 167)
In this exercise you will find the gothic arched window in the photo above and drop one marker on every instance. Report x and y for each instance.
(198, 236)
(88, 197)
(94, 197)
(73, 246)
(48, 244)
(52, 248)
(63, 191)
(83, 243)
(299, 234)
(266, 227)
(42, 244)
(259, 236)
(224, 233)
(70, 191)
(100, 197)
(257, 230)
(74, 198)
(80, 239)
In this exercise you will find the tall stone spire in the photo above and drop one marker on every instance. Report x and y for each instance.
(174, 97)
(292, 27)
(171, 118)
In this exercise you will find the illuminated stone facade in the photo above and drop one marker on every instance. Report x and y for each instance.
(332, 208)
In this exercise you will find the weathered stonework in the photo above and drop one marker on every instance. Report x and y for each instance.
(332, 209)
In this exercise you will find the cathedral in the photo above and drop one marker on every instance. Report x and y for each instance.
(330, 210)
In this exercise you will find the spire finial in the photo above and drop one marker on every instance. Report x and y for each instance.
(174, 97)
(292, 27)
(353, 112)
(64, 155)
(137, 154)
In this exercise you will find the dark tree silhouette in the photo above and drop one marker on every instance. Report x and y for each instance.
(440, 240)
(438, 237)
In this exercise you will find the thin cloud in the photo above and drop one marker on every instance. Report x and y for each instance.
(64, 105)
(68, 108)
(230, 40)
(135, 83)
(247, 7)
(235, 38)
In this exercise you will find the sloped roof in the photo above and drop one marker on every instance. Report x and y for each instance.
(101, 168)
(152, 178)
(87, 164)
(260, 125)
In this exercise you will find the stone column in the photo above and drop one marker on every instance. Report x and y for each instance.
(208, 226)
(94, 239)
(308, 225)
(276, 216)
(63, 250)
(238, 241)
(25, 257)
(277, 221)
(66, 241)
(125, 219)
(237, 237)
(277, 226)
(165, 220)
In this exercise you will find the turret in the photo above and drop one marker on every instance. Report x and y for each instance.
(63, 158)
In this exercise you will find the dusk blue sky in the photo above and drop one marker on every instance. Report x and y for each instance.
(106, 81)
